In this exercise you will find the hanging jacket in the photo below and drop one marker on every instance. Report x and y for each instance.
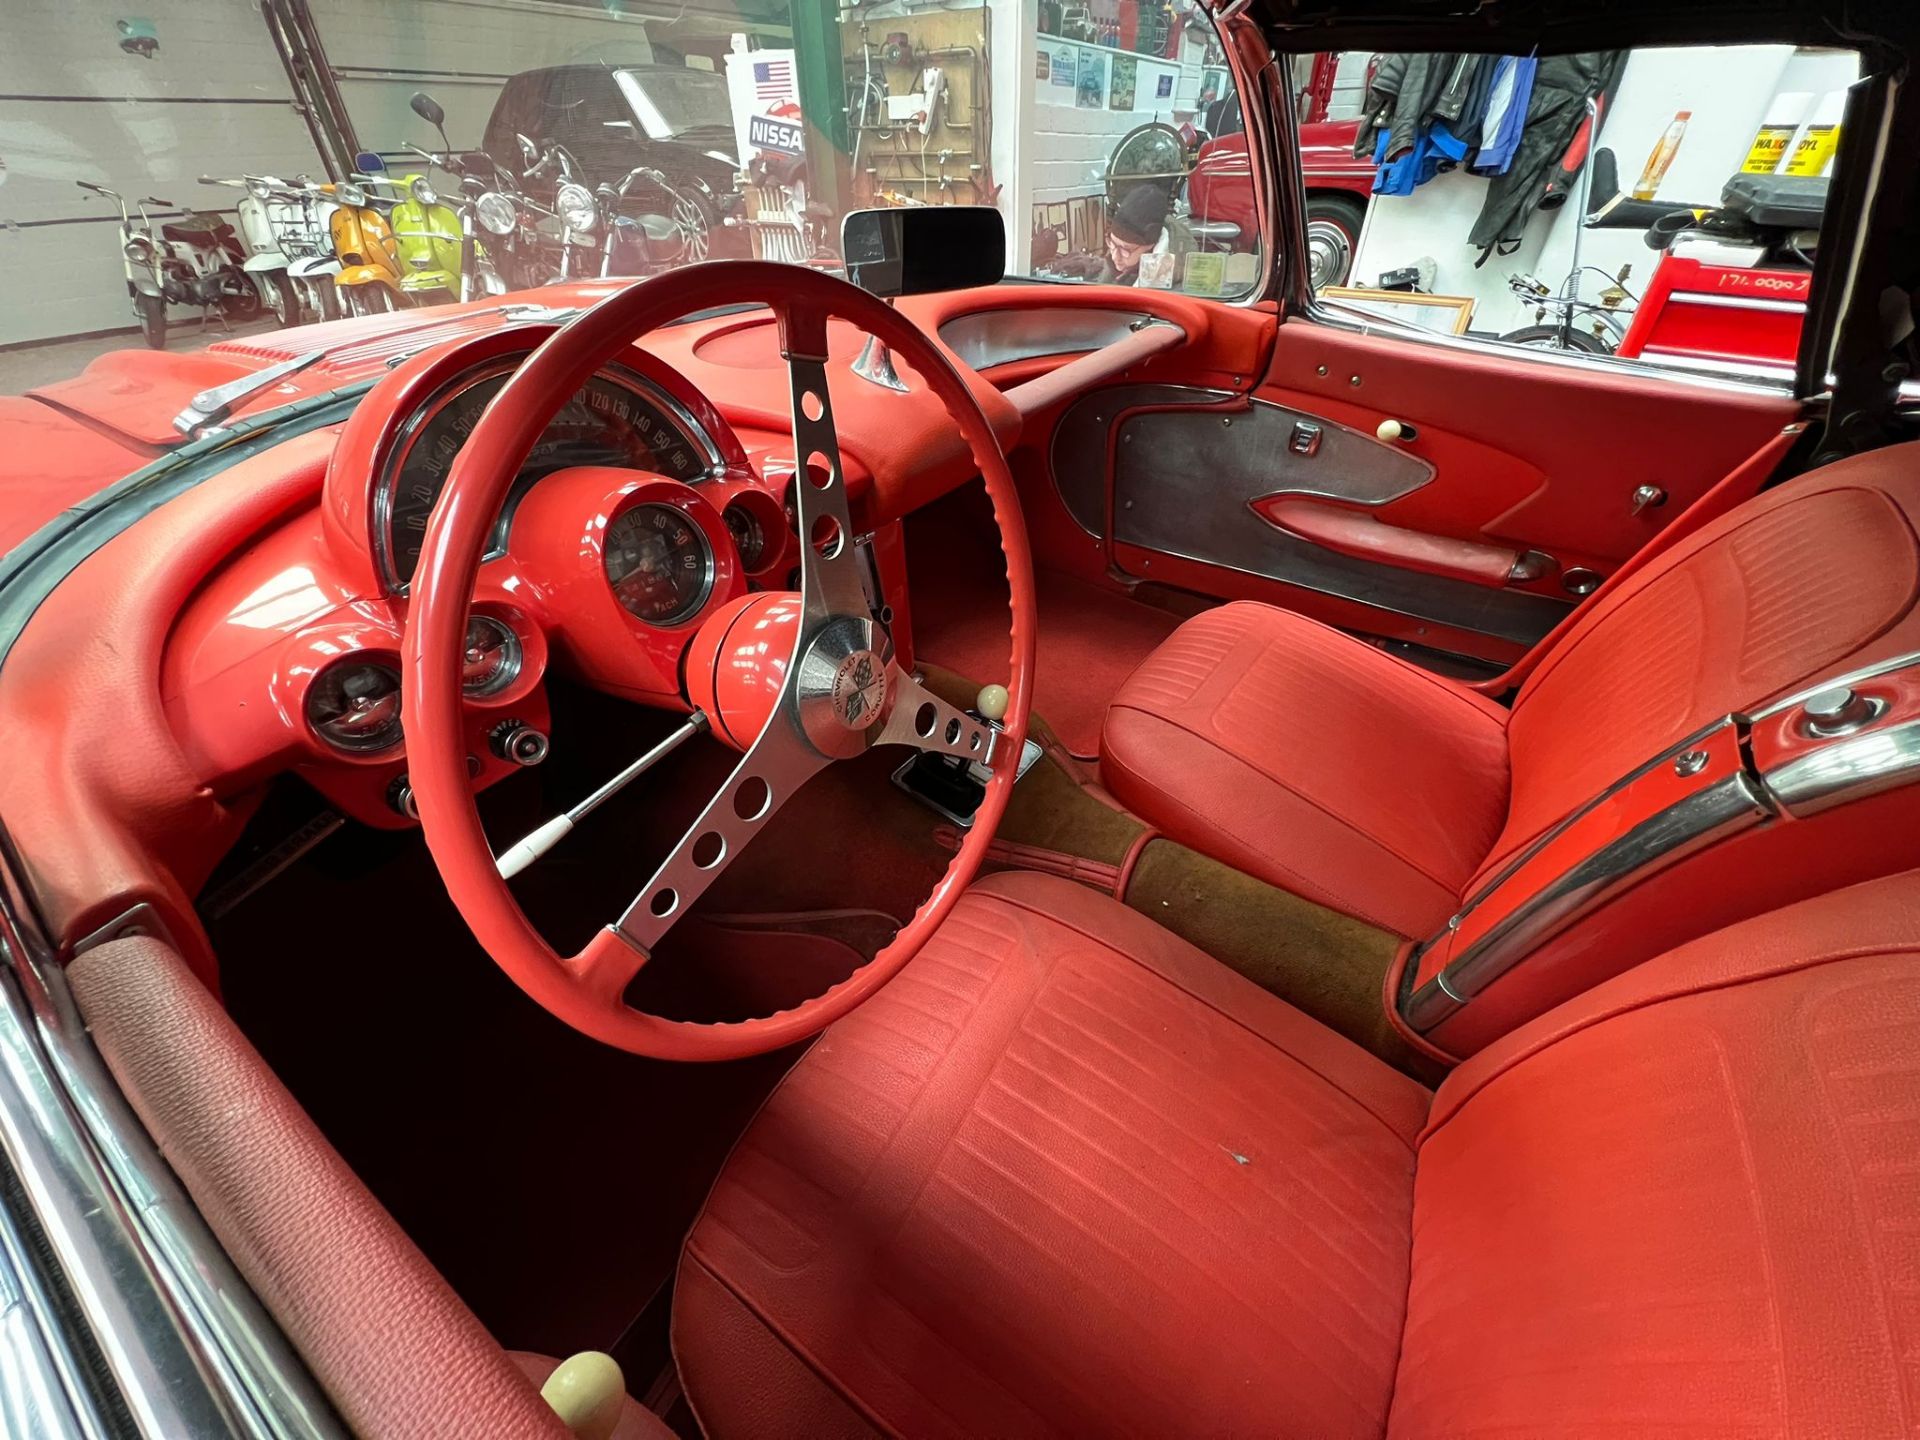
(1561, 88)
(1407, 93)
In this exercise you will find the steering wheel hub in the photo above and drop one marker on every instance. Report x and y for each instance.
(841, 689)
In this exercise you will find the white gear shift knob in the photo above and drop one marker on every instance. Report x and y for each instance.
(992, 702)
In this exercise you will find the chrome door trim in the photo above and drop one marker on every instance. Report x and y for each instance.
(190, 1348)
(1654, 845)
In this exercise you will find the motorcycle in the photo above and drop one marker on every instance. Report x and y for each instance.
(371, 278)
(194, 262)
(266, 263)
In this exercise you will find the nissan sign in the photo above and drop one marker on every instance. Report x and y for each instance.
(784, 136)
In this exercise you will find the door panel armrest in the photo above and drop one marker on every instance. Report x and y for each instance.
(1356, 533)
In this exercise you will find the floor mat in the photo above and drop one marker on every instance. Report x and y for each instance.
(1089, 641)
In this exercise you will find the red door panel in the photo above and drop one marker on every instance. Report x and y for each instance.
(1524, 455)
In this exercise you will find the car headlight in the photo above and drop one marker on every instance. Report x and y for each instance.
(423, 192)
(496, 213)
(350, 194)
(576, 208)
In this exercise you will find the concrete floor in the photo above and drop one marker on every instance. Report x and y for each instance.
(26, 366)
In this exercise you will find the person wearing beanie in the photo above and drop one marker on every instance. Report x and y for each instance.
(1138, 225)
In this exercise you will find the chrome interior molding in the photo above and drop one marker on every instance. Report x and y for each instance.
(1846, 769)
(985, 338)
(1692, 824)
(1847, 679)
(190, 1348)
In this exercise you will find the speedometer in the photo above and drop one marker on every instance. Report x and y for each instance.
(612, 421)
(659, 564)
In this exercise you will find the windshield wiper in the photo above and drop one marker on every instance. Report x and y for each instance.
(218, 402)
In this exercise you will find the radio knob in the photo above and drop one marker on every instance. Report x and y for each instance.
(517, 741)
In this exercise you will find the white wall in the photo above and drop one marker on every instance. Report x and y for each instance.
(1728, 89)
(213, 99)
(459, 51)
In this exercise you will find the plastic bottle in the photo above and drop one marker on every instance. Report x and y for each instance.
(1662, 157)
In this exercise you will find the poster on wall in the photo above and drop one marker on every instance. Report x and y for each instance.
(1126, 71)
(1090, 90)
(1042, 63)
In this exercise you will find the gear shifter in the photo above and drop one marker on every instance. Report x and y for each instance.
(952, 785)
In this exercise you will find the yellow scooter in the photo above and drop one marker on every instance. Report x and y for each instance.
(372, 278)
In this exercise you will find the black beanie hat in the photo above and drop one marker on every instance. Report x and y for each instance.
(1139, 216)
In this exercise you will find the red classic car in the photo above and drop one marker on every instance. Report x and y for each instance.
(720, 856)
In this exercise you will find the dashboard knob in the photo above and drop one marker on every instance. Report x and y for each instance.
(400, 798)
(519, 742)
(992, 703)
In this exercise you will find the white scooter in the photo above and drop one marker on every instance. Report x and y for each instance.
(195, 261)
(266, 263)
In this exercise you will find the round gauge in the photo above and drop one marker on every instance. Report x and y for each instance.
(610, 421)
(355, 706)
(659, 564)
(490, 660)
(748, 536)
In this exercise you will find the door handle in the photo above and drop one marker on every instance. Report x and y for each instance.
(1360, 535)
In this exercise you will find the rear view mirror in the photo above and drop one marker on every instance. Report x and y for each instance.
(917, 250)
(368, 163)
(428, 109)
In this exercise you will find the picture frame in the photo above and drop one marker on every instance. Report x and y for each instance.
(1440, 314)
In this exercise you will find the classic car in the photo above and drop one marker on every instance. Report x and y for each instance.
(614, 118)
(722, 856)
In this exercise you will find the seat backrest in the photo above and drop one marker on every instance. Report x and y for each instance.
(1806, 581)
(1688, 1201)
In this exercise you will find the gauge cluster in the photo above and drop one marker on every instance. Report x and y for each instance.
(634, 517)
(617, 419)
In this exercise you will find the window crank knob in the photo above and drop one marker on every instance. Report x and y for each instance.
(1390, 431)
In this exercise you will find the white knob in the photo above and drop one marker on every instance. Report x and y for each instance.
(1390, 431)
(992, 702)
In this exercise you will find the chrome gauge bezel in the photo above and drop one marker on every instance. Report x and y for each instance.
(388, 737)
(513, 657)
(709, 569)
(640, 386)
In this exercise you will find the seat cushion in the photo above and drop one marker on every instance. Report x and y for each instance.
(1065, 1175)
(1320, 764)
(1686, 1203)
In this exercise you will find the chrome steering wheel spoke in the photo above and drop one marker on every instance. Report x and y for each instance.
(923, 720)
(772, 771)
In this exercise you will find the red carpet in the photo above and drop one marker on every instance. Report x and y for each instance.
(1090, 640)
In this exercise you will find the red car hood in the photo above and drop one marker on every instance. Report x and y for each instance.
(62, 442)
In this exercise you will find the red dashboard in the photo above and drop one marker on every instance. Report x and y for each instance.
(251, 626)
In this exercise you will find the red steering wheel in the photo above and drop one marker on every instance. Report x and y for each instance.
(841, 691)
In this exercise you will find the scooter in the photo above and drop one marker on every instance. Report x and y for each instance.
(195, 262)
(371, 276)
(265, 264)
(439, 245)
(308, 240)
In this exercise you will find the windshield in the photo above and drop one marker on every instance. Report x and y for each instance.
(672, 102)
(210, 184)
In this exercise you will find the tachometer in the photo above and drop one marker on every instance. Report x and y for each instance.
(612, 421)
(659, 564)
